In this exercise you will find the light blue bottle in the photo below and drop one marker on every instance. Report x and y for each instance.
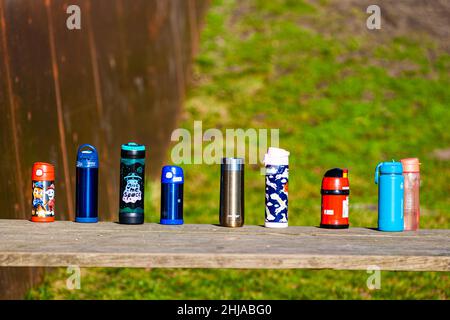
(389, 177)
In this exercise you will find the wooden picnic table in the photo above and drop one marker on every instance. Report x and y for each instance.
(108, 244)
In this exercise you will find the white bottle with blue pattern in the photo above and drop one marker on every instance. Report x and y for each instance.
(276, 161)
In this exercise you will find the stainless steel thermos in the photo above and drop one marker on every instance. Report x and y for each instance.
(172, 180)
(132, 174)
(232, 192)
(86, 205)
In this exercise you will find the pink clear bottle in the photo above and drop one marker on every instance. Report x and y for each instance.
(411, 204)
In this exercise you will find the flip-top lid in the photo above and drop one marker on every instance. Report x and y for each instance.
(43, 171)
(172, 174)
(87, 156)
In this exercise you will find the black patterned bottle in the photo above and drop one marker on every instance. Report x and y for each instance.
(132, 183)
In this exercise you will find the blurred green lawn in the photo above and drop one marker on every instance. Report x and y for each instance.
(339, 101)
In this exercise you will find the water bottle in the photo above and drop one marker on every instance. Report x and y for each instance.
(411, 205)
(172, 180)
(231, 212)
(389, 177)
(43, 192)
(335, 197)
(132, 178)
(86, 206)
(276, 161)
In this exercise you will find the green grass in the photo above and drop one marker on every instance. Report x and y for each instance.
(348, 102)
(242, 284)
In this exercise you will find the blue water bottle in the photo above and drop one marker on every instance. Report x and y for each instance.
(87, 184)
(389, 177)
(172, 180)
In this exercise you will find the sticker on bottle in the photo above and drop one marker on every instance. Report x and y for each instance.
(43, 199)
(345, 208)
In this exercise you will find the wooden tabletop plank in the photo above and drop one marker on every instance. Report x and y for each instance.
(108, 244)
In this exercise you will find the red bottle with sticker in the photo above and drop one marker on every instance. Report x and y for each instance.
(43, 192)
(335, 195)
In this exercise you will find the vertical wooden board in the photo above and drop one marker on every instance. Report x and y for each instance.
(160, 53)
(11, 199)
(34, 91)
(139, 56)
(81, 96)
(131, 18)
(158, 73)
(15, 281)
(117, 80)
(142, 77)
(142, 61)
(168, 90)
(193, 26)
(14, 174)
(116, 116)
(183, 26)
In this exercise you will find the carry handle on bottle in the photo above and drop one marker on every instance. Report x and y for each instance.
(86, 145)
(377, 172)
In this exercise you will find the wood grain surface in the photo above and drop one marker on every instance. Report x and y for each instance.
(108, 244)
(108, 83)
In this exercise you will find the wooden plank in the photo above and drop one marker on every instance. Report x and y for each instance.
(109, 244)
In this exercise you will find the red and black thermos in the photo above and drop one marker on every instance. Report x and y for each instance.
(335, 192)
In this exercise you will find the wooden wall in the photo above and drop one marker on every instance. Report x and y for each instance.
(122, 77)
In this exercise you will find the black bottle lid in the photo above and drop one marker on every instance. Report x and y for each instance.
(132, 150)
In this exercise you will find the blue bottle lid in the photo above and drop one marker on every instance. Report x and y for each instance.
(172, 174)
(391, 167)
(87, 156)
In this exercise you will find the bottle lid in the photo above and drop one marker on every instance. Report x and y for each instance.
(233, 164)
(336, 179)
(172, 174)
(87, 156)
(231, 160)
(133, 146)
(391, 167)
(43, 171)
(335, 173)
(133, 150)
(276, 156)
(411, 165)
